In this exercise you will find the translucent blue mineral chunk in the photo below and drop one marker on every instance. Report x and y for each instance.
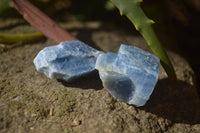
(130, 75)
(68, 60)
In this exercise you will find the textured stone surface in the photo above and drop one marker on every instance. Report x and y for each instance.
(27, 97)
(130, 75)
(68, 60)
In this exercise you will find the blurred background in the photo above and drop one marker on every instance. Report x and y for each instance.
(177, 21)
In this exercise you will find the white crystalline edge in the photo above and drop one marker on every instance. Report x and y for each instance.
(138, 101)
(98, 64)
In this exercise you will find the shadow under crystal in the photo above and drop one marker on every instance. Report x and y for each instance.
(176, 101)
(89, 81)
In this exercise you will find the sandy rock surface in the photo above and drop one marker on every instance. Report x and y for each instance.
(30, 102)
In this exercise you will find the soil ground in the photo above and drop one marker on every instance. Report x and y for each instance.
(30, 102)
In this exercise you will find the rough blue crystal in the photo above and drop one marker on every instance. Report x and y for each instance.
(130, 75)
(68, 60)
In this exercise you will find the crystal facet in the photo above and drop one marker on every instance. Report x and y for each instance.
(68, 60)
(130, 75)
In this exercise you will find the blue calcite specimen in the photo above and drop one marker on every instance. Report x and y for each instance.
(68, 60)
(130, 75)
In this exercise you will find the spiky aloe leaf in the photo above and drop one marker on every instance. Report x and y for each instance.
(132, 9)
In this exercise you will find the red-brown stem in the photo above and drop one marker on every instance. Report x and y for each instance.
(41, 21)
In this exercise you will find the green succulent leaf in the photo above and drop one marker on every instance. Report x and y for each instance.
(4, 5)
(132, 10)
(22, 38)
